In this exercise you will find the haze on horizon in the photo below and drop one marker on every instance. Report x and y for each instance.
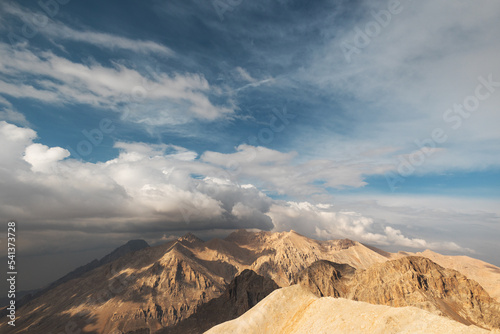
(370, 120)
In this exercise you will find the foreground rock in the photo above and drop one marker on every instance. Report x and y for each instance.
(295, 310)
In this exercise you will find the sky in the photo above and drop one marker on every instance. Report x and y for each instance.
(370, 120)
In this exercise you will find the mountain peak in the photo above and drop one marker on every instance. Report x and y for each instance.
(190, 238)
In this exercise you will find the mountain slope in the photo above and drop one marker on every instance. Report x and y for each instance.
(149, 290)
(296, 310)
(129, 247)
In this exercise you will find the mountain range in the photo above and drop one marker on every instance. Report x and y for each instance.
(188, 285)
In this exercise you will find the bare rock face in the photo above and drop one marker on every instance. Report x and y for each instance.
(409, 281)
(325, 278)
(244, 292)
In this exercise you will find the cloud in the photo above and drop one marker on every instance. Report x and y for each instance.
(244, 74)
(280, 173)
(108, 41)
(42, 158)
(324, 222)
(402, 80)
(156, 189)
(147, 187)
(12, 116)
(157, 99)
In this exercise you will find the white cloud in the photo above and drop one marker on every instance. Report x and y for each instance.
(155, 100)
(42, 158)
(161, 188)
(244, 74)
(327, 223)
(104, 40)
(12, 116)
(5, 102)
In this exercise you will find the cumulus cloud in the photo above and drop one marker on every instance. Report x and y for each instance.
(147, 187)
(160, 188)
(42, 158)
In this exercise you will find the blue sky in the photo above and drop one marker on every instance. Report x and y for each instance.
(372, 120)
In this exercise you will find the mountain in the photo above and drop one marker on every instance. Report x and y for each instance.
(296, 310)
(159, 287)
(409, 281)
(244, 292)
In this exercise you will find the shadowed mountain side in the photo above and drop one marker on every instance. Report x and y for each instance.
(295, 310)
(409, 281)
(245, 291)
(129, 247)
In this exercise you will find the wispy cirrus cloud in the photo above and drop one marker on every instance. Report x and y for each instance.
(58, 31)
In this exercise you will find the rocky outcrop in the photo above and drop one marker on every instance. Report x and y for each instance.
(409, 281)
